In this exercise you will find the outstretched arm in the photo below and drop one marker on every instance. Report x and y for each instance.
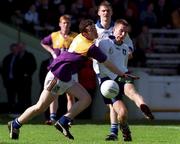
(113, 68)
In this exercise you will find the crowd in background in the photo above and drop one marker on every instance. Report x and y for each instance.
(41, 17)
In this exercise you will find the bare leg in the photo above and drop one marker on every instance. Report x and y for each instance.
(53, 106)
(131, 92)
(113, 115)
(114, 125)
(44, 101)
(52, 111)
(84, 100)
(122, 112)
(70, 101)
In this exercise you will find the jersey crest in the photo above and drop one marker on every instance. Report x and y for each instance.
(124, 51)
(110, 50)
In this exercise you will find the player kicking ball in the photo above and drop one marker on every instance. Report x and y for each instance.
(60, 79)
(118, 53)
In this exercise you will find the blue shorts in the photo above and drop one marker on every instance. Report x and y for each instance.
(121, 82)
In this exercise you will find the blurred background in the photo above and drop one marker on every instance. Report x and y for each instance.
(154, 29)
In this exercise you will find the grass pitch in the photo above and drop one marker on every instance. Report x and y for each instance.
(94, 133)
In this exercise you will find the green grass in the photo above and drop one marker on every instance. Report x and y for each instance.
(86, 133)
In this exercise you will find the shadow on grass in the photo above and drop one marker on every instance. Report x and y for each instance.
(40, 120)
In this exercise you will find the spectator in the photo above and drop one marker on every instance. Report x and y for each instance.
(92, 13)
(133, 22)
(144, 40)
(80, 9)
(88, 4)
(8, 73)
(78, 13)
(57, 12)
(18, 68)
(17, 18)
(143, 46)
(175, 16)
(162, 11)
(45, 17)
(148, 16)
(26, 66)
(31, 18)
(142, 5)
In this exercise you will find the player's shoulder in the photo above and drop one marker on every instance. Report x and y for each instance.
(55, 33)
(98, 24)
(109, 39)
(105, 43)
(100, 41)
(77, 37)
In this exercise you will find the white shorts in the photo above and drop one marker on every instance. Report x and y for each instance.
(56, 86)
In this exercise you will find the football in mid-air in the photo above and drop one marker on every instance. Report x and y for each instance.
(109, 89)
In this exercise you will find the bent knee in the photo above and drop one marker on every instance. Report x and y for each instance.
(87, 100)
(122, 113)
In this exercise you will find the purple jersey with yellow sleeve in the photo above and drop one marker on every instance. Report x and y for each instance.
(70, 62)
(56, 40)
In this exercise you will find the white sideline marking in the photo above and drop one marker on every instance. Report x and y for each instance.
(169, 127)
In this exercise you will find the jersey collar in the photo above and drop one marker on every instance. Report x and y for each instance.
(98, 23)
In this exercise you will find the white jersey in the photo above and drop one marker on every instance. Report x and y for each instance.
(117, 54)
(105, 33)
(102, 34)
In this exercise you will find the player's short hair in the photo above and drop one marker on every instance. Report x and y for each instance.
(84, 24)
(105, 4)
(121, 21)
(65, 17)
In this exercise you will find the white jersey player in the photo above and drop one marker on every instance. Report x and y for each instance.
(118, 52)
(104, 28)
(104, 33)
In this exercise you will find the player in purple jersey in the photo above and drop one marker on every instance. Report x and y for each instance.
(60, 80)
(60, 39)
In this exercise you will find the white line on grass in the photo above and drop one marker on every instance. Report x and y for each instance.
(169, 127)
